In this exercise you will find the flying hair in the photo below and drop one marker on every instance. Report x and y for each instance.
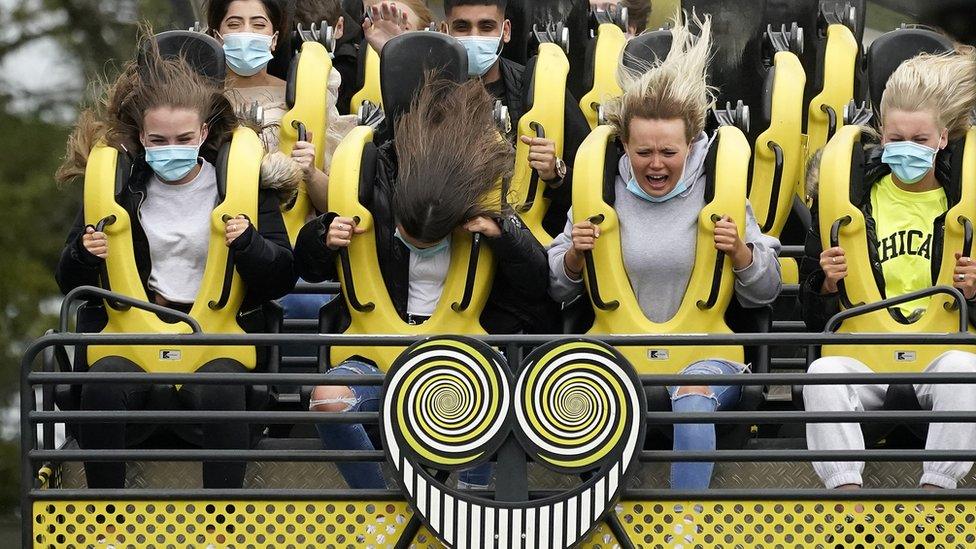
(451, 159)
(673, 88)
(944, 85)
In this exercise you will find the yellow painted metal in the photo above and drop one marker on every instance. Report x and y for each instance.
(311, 83)
(548, 109)
(834, 203)
(731, 169)
(784, 130)
(610, 42)
(789, 270)
(662, 12)
(368, 280)
(837, 87)
(702, 523)
(371, 84)
(243, 171)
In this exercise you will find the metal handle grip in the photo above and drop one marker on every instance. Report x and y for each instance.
(302, 130)
(103, 268)
(350, 285)
(470, 277)
(716, 275)
(831, 120)
(957, 296)
(835, 242)
(777, 183)
(540, 131)
(593, 278)
(228, 275)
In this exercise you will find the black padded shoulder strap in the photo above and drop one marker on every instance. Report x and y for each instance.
(401, 75)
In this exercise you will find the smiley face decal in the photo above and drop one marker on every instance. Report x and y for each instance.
(575, 407)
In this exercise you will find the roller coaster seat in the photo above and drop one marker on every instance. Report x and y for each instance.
(201, 51)
(722, 315)
(894, 47)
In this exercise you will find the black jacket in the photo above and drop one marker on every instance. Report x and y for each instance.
(518, 300)
(263, 258)
(817, 308)
(517, 85)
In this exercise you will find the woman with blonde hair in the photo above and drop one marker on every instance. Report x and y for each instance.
(659, 194)
(907, 188)
(171, 122)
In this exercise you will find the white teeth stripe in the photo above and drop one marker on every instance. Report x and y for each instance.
(544, 528)
(489, 537)
(585, 509)
(572, 507)
(530, 529)
(601, 496)
(476, 520)
(516, 528)
(557, 525)
(449, 519)
(422, 494)
(503, 530)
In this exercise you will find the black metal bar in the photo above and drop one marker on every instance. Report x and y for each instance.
(618, 530)
(835, 242)
(781, 362)
(716, 275)
(802, 455)
(92, 291)
(592, 277)
(777, 183)
(788, 326)
(817, 494)
(540, 131)
(209, 378)
(831, 120)
(28, 442)
(960, 300)
(303, 287)
(967, 250)
(228, 276)
(472, 274)
(195, 454)
(350, 285)
(663, 418)
(170, 494)
(796, 252)
(302, 130)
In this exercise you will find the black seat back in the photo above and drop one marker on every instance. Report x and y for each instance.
(893, 48)
(201, 51)
(408, 58)
(644, 49)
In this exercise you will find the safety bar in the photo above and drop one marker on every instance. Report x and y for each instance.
(716, 275)
(960, 301)
(591, 269)
(471, 275)
(300, 126)
(92, 291)
(777, 183)
(831, 119)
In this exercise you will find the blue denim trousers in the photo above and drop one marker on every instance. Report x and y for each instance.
(345, 436)
(700, 436)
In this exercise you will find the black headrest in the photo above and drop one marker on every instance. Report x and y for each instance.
(646, 47)
(406, 60)
(892, 48)
(201, 51)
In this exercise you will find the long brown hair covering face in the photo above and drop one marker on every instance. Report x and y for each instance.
(118, 114)
(451, 158)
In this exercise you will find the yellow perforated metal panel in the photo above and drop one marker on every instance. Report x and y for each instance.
(280, 524)
(650, 525)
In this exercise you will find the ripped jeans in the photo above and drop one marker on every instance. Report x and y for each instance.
(700, 436)
(346, 436)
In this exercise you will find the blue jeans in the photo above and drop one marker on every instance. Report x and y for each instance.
(346, 436)
(700, 436)
(304, 306)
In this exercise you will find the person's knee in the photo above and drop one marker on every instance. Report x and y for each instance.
(955, 362)
(332, 398)
(827, 365)
(694, 390)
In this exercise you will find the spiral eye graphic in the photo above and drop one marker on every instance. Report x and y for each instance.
(575, 405)
(452, 400)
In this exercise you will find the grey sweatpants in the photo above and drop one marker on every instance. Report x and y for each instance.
(850, 398)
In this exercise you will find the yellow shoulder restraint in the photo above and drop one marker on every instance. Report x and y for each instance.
(610, 41)
(843, 224)
(546, 119)
(371, 81)
(309, 113)
(778, 154)
(826, 111)
(466, 286)
(711, 285)
(217, 304)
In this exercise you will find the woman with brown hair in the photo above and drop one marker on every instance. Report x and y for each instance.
(171, 122)
(439, 174)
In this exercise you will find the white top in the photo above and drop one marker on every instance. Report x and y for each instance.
(176, 219)
(427, 276)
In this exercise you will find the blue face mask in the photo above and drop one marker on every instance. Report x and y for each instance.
(247, 53)
(636, 189)
(909, 161)
(482, 53)
(172, 162)
(427, 252)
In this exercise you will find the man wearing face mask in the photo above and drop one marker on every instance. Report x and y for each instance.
(483, 30)
(905, 192)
